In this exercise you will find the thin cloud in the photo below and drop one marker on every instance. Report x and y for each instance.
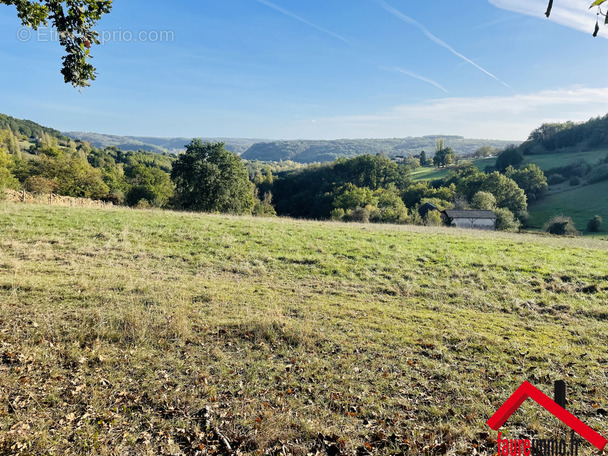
(499, 117)
(417, 76)
(398, 14)
(571, 13)
(302, 20)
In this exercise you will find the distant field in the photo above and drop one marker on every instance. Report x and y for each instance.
(157, 333)
(431, 173)
(581, 203)
(549, 161)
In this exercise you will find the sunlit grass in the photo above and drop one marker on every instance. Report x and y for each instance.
(123, 331)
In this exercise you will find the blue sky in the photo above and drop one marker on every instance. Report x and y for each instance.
(317, 69)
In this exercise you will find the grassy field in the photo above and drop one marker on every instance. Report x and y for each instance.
(580, 203)
(546, 162)
(430, 173)
(148, 332)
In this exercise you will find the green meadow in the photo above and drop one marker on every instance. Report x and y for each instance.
(431, 173)
(581, 203)
(548, 161)
(154, 332)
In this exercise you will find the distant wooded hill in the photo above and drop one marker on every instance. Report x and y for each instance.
(301, 151)
(152, 144)
(27, 127)
(568, 136)
(324, 151)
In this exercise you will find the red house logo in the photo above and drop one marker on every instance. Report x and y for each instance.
(527, 390)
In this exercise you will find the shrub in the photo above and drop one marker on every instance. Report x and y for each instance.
(39, 184)
(561, 226)
(264, 207)
(595, 224)
(337, 214)
(359, 214)
(599, 174)
(574, 181)
(433, 218)
(143, 204)
(555, 179)
(505, 220)
(579, 169)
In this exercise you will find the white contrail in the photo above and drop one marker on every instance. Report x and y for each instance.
(422, 78)
(304, 21)
(429, 35)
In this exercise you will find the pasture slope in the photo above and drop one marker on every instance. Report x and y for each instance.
(148, 332)
(580, 202)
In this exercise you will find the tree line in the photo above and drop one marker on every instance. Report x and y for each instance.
(207, 177)
(567, 137)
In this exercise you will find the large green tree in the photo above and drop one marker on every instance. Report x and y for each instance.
(530, 179)
(74, 21)
(150, 184)
(505, 190)
(209, 178)
(444, 157)
(74, 176)
(511, 156)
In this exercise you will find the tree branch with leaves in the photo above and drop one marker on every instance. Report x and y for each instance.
(596, 3)
(74, 21)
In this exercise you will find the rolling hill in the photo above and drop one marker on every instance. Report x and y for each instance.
(306, 151)
(27, 127)
(152, 144)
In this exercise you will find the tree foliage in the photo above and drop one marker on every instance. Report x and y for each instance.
(483, 201)
(309, 192)
(596, 3)
(7, 180)
(74, 176)
(74, 21)
(209, 178)
(151, 184)
(531, 179)
(444, 157)
(511, 156)
(505, 221)
(468, 181)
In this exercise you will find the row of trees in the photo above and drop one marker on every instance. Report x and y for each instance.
(63, 166)
(567, 136)
(205, 178)
(209, 178)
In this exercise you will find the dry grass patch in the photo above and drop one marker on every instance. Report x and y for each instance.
(137, 332)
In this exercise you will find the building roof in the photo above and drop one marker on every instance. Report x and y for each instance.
(471, 214)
